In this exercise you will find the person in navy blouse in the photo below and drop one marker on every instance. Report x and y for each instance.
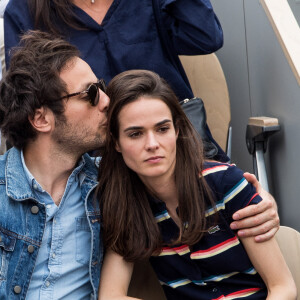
(119, 35)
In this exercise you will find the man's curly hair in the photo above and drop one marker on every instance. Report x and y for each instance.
(31, 82)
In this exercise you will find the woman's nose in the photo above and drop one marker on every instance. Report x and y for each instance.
(151, 143)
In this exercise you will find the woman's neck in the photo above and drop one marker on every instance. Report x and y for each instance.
(164, 189)
(96, 9)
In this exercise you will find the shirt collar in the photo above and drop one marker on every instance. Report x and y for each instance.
(34, 183)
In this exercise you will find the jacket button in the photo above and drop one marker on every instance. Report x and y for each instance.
(34, 210)
(17, 289)
(30, 249)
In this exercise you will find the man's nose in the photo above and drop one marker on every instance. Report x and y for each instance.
(104, 102)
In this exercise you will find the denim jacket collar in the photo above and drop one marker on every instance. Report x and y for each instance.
(18, 187)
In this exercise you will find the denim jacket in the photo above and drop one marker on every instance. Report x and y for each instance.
(22, 223)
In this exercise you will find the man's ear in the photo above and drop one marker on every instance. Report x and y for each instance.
(42, 120)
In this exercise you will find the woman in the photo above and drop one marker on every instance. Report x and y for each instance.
(161, 200)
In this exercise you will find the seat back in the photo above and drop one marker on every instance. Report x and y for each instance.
(208, 82)
(289, 242)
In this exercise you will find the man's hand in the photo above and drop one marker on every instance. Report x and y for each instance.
(260, 220)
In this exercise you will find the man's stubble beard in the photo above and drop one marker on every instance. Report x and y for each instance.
(76, 140)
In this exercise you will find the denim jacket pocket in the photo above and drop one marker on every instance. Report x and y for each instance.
(82, 245)
(7, 246)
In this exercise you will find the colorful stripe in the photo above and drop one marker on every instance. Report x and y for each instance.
(217, 278)
(250, 271)
(182, 250)
(162, 216)
(214, 169)
(181, 282)
(177, 283)
(215, 250)
(256, 194)
(235, 295)
(239, 294)
(229, 196)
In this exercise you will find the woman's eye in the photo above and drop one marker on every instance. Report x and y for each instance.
(163, 129)
(135, 134)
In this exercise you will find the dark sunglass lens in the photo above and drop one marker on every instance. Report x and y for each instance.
(93, 94)
(102, 85)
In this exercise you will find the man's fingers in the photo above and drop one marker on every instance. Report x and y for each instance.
(267, 235)
(262, 233)
(253, 210)
(251, 178)
(269, 216)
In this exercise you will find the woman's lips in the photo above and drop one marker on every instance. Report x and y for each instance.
(154, 159)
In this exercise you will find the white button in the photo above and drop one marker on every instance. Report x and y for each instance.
(35, 186)
(48, 205)
(47, 283)
(53, 255)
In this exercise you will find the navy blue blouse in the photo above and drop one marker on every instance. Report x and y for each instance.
(218, 266)
(128, 37)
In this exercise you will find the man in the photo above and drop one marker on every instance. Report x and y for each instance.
(53, 110)
(3, 4)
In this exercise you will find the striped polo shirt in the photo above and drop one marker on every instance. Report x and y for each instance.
(217, 267)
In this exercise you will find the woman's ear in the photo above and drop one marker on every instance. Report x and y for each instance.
(177, 132)
(117, 147)
(42, 120)
(176, 129)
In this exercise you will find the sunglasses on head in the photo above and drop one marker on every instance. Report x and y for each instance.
(92, 92)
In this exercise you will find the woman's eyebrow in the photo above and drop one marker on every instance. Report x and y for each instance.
(133, 128)
(163, 122)
(141, 127)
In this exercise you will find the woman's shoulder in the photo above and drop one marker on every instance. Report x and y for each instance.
(222, 174)
(231, 189)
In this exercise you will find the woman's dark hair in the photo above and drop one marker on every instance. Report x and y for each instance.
(129, 227)
(52, 15)
(32, 81)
